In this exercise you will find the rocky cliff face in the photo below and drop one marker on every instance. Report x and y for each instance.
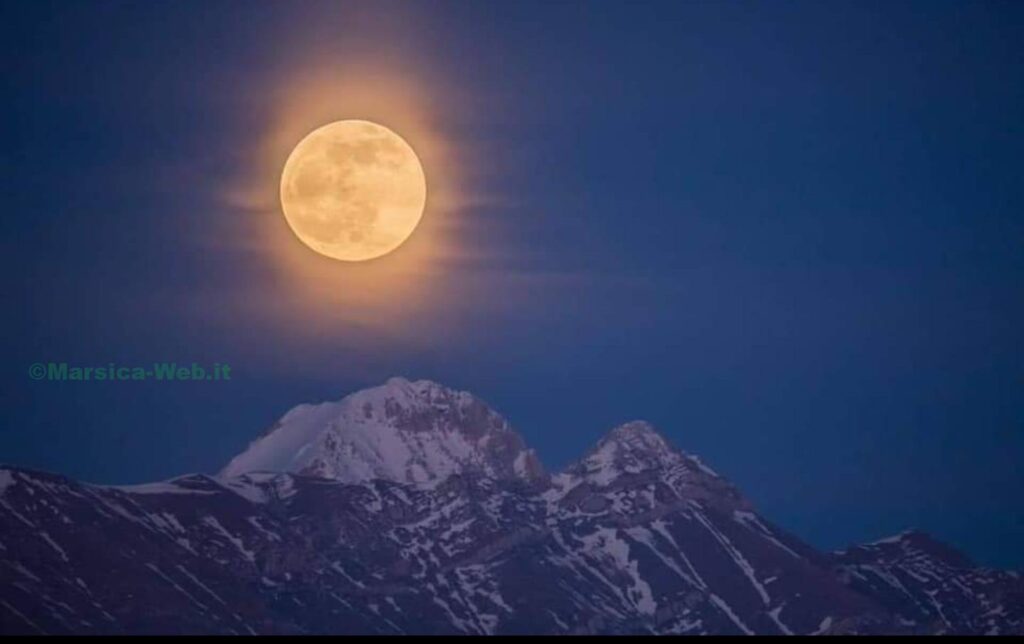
(932, 588)
(412, 508)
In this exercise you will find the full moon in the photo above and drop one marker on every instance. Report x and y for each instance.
(353, 190)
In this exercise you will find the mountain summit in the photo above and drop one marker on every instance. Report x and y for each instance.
(633, 448)
(634, 454)
(407, 432)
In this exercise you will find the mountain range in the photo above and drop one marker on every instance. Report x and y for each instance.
(413, 508)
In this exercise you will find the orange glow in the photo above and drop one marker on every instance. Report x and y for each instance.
(310, 293)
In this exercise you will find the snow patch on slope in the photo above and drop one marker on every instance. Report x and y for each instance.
(6, 480)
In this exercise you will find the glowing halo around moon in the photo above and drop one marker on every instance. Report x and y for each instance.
(353, 190)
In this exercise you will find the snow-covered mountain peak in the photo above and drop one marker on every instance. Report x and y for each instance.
(908, 546)
(639, 443)
(632, 448)
(638, 435)
(416, 432)
(636, 452)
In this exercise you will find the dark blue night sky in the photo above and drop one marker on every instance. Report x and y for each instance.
(787, 233)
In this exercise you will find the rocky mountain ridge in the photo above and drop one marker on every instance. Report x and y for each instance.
(413, 508)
